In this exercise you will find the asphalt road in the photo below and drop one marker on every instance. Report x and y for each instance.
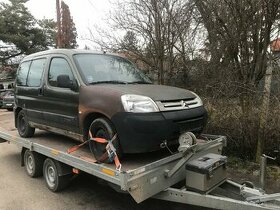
(20, 192)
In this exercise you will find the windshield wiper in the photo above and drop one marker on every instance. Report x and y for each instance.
(139, 82)
(109, 82)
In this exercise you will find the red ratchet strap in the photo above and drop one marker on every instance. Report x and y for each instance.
(74, 148)
(110, 150)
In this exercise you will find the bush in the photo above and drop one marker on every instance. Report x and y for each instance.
(234, 107)
(227, 118)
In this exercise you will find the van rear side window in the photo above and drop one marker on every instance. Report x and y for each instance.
(35, 73)
(22, 73)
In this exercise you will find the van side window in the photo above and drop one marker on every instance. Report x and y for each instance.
(35, 73)
(59, 66)
(22, 73)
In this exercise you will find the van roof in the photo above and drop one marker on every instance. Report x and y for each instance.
(68, 52)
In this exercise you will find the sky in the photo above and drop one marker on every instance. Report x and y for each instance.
(85, 13)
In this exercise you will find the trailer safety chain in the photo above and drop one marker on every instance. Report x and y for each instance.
(164, 145)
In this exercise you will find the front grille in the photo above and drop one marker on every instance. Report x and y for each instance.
(179, 104)
(195, 124)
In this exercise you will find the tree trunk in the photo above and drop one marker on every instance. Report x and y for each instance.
(264, 111)
(58, 16)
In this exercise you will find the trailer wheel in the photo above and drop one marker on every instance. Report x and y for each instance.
(54, 182)
(24, 129)
(103, 128)
(33, 163)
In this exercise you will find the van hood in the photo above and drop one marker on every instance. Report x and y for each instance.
(155, 92)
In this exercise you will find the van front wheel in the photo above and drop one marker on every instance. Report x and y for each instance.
(103, 128)
(24, 129)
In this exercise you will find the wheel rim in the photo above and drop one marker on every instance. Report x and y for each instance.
(29, 164)
(50, 176)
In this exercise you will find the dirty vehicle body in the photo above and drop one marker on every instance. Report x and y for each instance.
(72, 92)
(8, 101)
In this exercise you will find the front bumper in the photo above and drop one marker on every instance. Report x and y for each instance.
(144, 132)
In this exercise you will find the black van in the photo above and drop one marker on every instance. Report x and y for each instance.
(79, 92)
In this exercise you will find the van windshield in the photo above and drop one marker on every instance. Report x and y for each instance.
(108, 69)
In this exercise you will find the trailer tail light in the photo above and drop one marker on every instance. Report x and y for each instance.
(75, 171)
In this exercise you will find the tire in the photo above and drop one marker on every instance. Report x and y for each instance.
(24, 129)
(33, 163)
(53, 181)
(103, 128)
(10, 109)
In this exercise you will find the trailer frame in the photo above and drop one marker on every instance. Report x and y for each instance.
(157, 179)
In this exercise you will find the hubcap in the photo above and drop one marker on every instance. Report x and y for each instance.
(50, 175)
(30, 164)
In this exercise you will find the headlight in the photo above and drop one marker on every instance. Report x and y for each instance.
(138, 103)
(197, 99)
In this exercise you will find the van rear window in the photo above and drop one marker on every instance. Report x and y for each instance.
(22, 73)
(30, 73)
(35, 73)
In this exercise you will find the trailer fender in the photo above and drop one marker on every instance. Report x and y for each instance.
(22, 156)
(62, 168)
(2, 140)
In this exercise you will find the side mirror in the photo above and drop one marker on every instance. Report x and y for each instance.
(64, 81)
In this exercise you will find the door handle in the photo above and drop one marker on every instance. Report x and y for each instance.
(40, 92)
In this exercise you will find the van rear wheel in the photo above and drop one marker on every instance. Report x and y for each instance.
(24, 129)
(103, 128)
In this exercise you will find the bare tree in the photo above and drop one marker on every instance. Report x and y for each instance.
(129, 41)
(160, 28)
(239, 34)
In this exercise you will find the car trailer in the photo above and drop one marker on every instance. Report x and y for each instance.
(195, 174)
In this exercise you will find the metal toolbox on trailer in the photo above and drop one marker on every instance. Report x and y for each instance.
(204, 173)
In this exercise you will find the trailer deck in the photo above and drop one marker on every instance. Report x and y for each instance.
(147, 175)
